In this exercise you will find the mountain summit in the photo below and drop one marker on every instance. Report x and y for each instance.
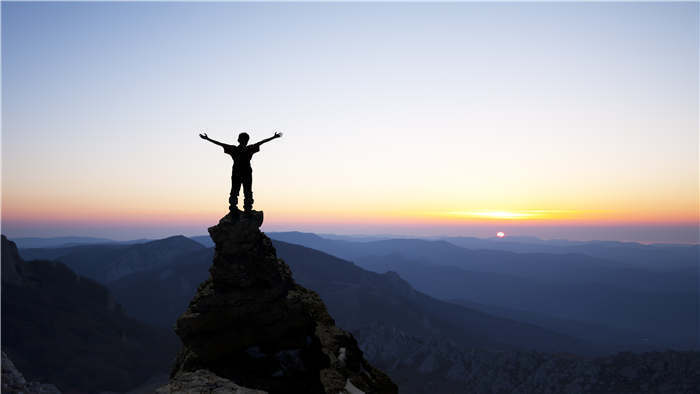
(251, 325)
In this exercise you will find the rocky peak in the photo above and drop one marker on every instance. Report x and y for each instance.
(10, 260)
(250, 323)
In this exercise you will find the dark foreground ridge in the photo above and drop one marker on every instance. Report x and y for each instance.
(251, 325)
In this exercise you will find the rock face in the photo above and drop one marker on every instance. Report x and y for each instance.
(13, 381)
(203, 381)
(10, 262)
(252, 324)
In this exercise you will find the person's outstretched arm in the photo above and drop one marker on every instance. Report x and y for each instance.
(205, 137)
(277, 135)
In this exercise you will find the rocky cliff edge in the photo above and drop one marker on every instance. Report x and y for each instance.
(252, 325)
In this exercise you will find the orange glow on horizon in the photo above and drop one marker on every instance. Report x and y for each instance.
(275, 215)
(514, 215)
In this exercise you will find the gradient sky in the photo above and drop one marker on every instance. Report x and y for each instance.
(561, 120)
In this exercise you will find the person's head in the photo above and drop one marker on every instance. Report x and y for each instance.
(243, 139)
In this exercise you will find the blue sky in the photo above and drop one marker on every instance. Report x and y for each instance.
(393, 114)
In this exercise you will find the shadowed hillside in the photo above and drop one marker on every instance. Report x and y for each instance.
(438, 365)
(656, 307)
(65, 329)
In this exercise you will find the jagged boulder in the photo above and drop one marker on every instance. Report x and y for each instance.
(252, 324)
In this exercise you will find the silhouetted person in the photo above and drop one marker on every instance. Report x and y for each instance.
(242, 173)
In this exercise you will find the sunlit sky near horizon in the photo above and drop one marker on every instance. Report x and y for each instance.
(558, 120)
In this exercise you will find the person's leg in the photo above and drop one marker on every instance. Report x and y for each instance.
(233, 197)
(247, 191)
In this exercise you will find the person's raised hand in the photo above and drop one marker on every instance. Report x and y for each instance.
(203, 136)
(277, 134)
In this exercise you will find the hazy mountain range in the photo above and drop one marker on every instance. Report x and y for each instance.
(115, 260)
(598, 300)
(652, 303)
(616, 303)
(159, 293)
(56, 242)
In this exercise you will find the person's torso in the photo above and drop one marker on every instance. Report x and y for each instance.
(241, 156)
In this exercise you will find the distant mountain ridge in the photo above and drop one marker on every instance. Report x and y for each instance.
(391, 296)
(596, 292)
(354, 296)
(653, 256)
(64, 242)
(159, 295)
(108, 262)
(621, 293)
(427, 359)
(454, 250)
(431, 357)
(53, 242)
(68, 330)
